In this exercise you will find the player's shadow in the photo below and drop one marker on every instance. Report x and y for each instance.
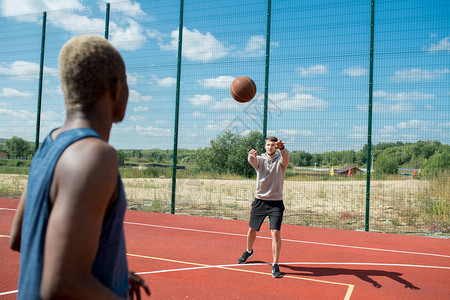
(365, 275)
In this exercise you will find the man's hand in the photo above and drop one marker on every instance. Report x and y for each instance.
(136, 282)
(280, 145)
(253, 153)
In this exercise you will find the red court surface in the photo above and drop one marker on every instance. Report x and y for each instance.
(183, 257)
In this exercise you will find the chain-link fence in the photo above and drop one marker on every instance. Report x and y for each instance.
(332, 76)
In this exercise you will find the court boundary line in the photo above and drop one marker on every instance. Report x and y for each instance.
(286, 240)
(5, 208)
(350, 287)
(289, 240)
(9, 293)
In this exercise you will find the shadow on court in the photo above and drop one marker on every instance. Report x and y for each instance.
(364, 275)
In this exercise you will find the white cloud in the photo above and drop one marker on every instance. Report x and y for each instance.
(416, 74)
(387, 130)
(31, 10)
(358, 133)
(297, 102)
(202, 100)
(206, 101)
(128, 35)
(221, 82)
(255, 47)
(293, 132)
(135, 118)
(135, 96)
(133, 78)
(222, 125)
(403, 96)
(127, 38)
(230, 104)
(127, 7)
(442, 45)
(313, 70)
(415, 124)
(153, 131)
(355, 71)
(77, 24)
(141, 109)
(165, 82)
(297, 88)
(197, 46)
(444, 125)
(155, 34)
(13, 93)
(197, 114)
(387, 108)
(17, 114)
(23, 70)
(54, 117)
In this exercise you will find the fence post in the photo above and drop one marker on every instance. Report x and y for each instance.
(266, 79)
(41, 75)
(177, 109)
(369, 127)
(107, 20)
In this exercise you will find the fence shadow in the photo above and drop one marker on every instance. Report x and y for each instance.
(364, 275)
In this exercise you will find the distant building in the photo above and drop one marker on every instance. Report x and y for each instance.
(3, 154)
(348, 171)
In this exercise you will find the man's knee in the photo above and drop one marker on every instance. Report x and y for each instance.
(276, 234)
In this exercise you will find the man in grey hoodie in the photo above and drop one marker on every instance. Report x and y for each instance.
(270, 170)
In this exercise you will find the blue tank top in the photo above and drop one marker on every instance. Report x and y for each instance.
(110, 264)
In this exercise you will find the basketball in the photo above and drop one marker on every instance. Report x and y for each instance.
(243, 89)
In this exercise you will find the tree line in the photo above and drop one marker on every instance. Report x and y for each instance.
(227, 153)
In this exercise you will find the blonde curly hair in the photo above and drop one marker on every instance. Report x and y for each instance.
(88, 66)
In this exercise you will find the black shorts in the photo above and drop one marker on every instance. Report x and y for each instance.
(261, 209)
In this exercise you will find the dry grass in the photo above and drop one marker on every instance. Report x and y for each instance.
(395, 206)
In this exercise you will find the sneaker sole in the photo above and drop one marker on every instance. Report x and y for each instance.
(244, 262)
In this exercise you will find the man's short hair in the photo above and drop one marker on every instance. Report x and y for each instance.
(271, 138)
(88, 66)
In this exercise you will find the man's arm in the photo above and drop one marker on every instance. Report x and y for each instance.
(284, 153)
(84, 181)
(16, 227)
(252, 158)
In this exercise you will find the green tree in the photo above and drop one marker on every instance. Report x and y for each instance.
(301, 158)
(18, 147)
(122, 156)
(228, 153)
(439, 161)
(361, 155)
(237, 162)
(386, 163)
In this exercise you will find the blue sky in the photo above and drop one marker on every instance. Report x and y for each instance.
(319, 69)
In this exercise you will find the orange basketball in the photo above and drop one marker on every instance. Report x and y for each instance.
(243, 89)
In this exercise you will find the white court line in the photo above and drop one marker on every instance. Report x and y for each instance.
(348, 294)
(282, 264)
(12, 209)
(202, 267)
(8, 293)
(287, 240)
(294, 263)
(290, 240)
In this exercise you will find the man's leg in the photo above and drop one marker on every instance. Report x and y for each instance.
(251, 237)
(276, 245)
(276, 248)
